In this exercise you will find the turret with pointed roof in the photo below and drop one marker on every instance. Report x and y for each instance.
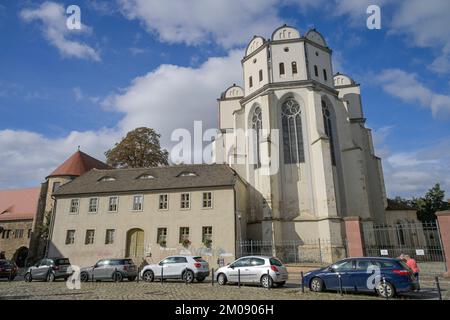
(78, 164)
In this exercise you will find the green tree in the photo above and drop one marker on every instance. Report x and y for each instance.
(431, 203)
(139, 149)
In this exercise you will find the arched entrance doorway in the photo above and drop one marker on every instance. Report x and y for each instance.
(135, 244)
(20, 256)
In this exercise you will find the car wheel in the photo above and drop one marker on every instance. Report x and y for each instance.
(188, 276)
(131, 278)
(222, 279)
(201, 279)
(149, 276)
(84, 277)
(50, 277)
(266, 281)
(385, 290)
(316, 285)
(117, 277)
(28, 277)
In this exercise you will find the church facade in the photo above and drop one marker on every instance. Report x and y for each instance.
(295, 133)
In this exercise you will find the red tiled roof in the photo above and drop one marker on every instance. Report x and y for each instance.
(78, 164)
(19, 204)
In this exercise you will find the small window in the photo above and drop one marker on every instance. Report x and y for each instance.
(317, 53)
(107, 179)
(162, 237)
(56, 185)
(184, 234)
(113, 204)
(93, 205)
(74, 205)
(286, 49)
(18, 234)
(90, 234)
(138, 203)
(146, 177)
(29, 233)
(185, 201)
(207, 200)
(207, 235)
(163, 202)
(187, 174)
(316, 71)
(109, 236)
(281, 68)
(260, 75)
(70, 237)
(250, 82)
(294, 67)
(325, 75)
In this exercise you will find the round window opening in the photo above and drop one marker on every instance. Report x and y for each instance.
(286, 49)
(290, 108)
(254, 60)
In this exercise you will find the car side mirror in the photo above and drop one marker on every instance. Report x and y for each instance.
(331, 269)
(161, 264)
(231, 266)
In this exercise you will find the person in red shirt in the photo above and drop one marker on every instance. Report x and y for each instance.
(412, 264)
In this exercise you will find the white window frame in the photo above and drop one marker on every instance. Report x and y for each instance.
(73, 237)
(113, 236)
(166, 202)
(96, 207)
(109, 203)
(212, 200)
(181, 201)
(93, 237)
(142, 203)
(78, 206)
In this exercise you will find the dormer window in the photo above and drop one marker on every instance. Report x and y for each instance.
(187, 174)
(107, 179)
(146, 177)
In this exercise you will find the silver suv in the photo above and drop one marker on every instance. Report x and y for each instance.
(267, 271)
(110, 269)
(49, 269)
(186, 268)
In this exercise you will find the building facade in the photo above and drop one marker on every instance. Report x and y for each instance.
(148, 214)
(17, 211)
(295, 133)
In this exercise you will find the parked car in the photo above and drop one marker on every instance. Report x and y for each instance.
(186, 268)
(267, 271)
(8, 269)
(364, 275)
(110, 269)
(49, 269)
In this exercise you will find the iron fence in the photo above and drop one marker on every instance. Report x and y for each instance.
(317, 251)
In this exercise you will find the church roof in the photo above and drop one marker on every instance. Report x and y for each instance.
(19, 204)
(78, 164)
(150, 179)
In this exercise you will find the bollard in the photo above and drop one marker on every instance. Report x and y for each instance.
(162, 274)
(10, 275)
(303, 283)
(268, 279)
(115, 274)
(138, 273)
(212, 276)
(438, 288)
(385, 286)
(340, 284)
(92, 276)
(185, 276)
(239, 278)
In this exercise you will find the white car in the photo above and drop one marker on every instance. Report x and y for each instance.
(267, 271)
(182, 267)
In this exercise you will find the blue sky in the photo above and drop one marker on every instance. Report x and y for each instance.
(162, 64)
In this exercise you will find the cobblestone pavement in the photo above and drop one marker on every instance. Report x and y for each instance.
(174, 290)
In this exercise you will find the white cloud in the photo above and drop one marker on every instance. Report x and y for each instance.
(165, 99)
(27, 157)
(405, 86)
(78, 93)
(226, 22)
(53, 18)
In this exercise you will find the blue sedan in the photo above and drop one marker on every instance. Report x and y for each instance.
(385, 276)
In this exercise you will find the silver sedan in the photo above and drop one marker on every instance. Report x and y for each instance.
(267, 271)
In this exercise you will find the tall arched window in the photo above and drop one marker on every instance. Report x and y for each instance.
(291, 121)
(257, 126)
(328, 130)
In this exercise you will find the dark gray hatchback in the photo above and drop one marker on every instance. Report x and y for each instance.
(110, 269)
(49, 269)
